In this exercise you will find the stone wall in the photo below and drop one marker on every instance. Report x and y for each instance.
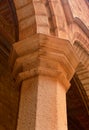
(80, 10)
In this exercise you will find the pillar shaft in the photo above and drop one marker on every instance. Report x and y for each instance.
(42, 66)
(42, 105)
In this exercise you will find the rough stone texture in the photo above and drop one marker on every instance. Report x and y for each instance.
(82, 55)
(42, 63)
(32, 18)
(57, 17)
(83, 68)
(45, 56)
(28, 107)
(83, 75)
(78, 116)
(8, 98)
(42, 105)
(80, 10)
(42, 50)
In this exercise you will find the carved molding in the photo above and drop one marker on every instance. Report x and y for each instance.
(44, 55)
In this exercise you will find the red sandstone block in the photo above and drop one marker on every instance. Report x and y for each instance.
(39, 8)
(21, 3)
(25, 23)
(26, 11)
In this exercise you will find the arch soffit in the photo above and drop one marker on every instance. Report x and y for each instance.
(22, 6)
(81, 40)
(30, 23)
(8, 22)
(41, 17)
(83, 76)
(34, 15)
(82, 70)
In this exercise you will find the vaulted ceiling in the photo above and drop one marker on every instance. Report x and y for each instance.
(8, 26)
(78, 117)
(7, 11)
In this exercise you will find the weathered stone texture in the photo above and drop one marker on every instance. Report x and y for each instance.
(43, 63)
(32, 17)
(80, 10)
(8, 98)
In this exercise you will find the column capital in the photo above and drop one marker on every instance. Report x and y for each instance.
(43, 55)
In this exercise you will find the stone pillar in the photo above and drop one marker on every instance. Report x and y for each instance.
(42, 66)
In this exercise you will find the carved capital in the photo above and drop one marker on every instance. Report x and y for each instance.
(43, 55)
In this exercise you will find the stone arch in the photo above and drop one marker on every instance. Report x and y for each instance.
(32, 17)
(81, 24)
(40, 17)
(81, 38)
(82, 70)
(77, 105)
(82, 52)
(83, 76)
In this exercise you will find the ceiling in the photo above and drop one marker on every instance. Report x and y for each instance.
(78, 117)
(8, 25)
